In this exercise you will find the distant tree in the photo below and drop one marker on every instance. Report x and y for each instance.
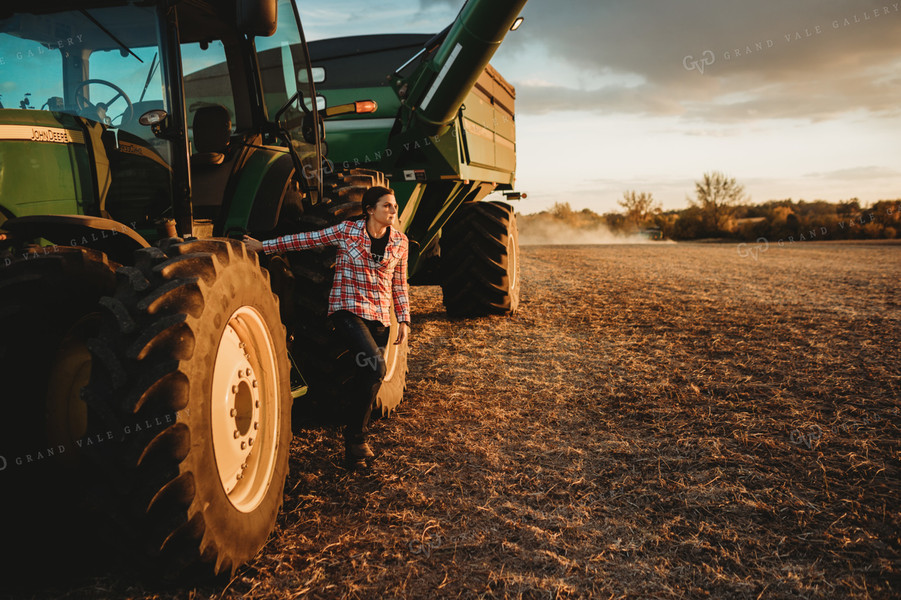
(563, 212)
(614, 221)
(716, 194)
(639, 207)
(590, 218)
(665, 221)
(848, 208)
(687, 225)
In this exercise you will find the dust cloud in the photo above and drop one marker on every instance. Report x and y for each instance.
(535, 234)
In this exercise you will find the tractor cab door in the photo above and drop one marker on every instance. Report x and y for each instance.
(234, 85)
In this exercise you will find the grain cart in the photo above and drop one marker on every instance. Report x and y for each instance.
(447, 140)
(147, 358)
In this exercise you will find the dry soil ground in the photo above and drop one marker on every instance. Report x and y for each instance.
(657, 421)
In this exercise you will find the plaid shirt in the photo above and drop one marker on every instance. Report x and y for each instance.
(362, 286)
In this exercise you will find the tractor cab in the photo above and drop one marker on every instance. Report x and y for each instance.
(147, 112)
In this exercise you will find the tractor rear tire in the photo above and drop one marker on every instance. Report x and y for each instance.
(48, 309)
(480, 261)
(42, 298)
(191, 385)
(326, 364)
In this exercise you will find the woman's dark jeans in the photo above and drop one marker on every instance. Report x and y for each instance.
(364, 339)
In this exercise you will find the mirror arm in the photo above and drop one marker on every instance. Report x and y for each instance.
(285, 107)
(279, 132)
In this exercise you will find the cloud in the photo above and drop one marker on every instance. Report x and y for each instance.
(810, 59)
(652, 37)
(543, 99)
(857, 173)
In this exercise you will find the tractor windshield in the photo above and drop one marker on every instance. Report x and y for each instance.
(77, 74)
(99, 63)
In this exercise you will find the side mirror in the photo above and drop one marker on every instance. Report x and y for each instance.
(152, 117)
(318, 75)
(257, 17)
(320, 103)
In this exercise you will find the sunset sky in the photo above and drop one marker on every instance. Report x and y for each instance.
(796, 100)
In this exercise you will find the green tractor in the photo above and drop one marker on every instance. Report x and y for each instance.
(150, 362)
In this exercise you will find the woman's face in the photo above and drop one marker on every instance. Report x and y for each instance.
(385, 211)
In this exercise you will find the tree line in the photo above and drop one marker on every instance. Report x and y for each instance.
(720, 209)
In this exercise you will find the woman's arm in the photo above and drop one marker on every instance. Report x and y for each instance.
(330, 236)
(400, 293)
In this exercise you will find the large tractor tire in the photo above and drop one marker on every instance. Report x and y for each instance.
(480, 261)
(48, 305)
(48, 309)
(325, 363)
(191, 383)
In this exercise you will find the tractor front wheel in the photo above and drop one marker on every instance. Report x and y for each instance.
(191, 379)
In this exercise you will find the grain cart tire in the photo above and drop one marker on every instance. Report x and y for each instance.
(480, 261)
(48, 308)
(191, 374)
(325, 363)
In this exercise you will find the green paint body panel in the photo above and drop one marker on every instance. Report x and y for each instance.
(250, 179)
(43, 177)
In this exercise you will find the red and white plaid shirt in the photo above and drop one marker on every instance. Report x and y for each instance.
(362, 285)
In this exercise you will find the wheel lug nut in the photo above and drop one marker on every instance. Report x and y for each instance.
(239, 476)
(257, 404)
(256, 426)
(250, 441)
(243, 445)
(237, 434)
(233, 412)
(254, 383)
(234, 389)
(248, 372)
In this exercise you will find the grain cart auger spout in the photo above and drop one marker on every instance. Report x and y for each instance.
(146, 356)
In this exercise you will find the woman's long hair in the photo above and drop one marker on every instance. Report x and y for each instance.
(371, 198)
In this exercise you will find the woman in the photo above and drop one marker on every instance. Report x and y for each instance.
(371, 268)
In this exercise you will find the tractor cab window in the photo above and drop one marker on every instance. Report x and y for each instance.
(93, 72)
(207, 84)
(20, 59)
(283, 67)
(101, 64)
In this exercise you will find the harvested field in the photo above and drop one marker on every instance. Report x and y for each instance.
(658, 421)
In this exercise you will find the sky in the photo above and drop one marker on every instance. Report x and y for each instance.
(797, 99)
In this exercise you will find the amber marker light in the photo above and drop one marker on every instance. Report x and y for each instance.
(366, 106)
(359, 107)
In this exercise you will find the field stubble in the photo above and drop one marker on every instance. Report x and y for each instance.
(658, 421)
